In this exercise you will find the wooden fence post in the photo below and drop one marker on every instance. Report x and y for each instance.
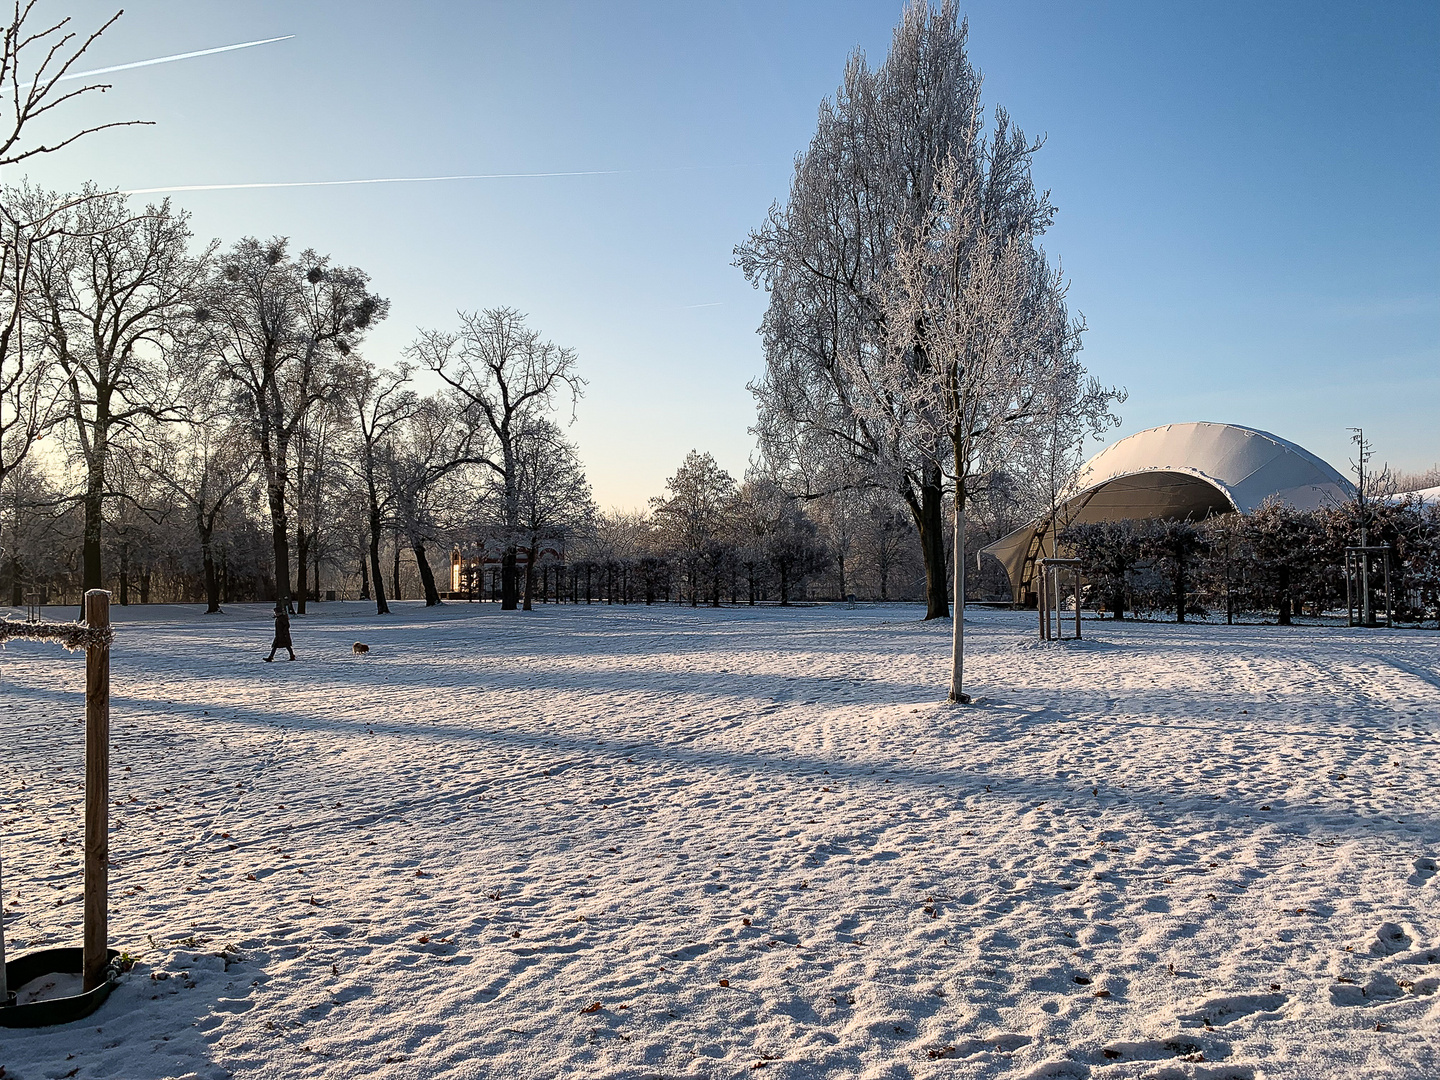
(97, 793)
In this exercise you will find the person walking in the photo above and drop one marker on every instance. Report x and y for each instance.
(282, 634)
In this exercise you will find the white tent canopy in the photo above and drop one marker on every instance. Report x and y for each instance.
(1177, 471)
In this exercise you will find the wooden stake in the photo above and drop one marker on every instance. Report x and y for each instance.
(4, 987)
(97, 794)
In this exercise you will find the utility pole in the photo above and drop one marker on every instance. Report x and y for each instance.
(1364, 452)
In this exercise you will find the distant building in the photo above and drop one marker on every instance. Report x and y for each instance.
(473, 567)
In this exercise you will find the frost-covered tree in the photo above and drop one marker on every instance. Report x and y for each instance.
(278, 329)
(1175, 548)
(554, 495)
(432, 452)
(867, 176)
(980, 349)
(204, 463)
(692, 517)
(513, 380)
(379, 401)
(111, 289)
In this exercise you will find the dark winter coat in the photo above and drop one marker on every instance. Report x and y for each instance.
(282, 631)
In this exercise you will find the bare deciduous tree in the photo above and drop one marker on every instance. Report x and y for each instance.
(110, 287)
(554, 494)
(433, 448)
(867, 175)
(279, 328)
(511, 377)
(980, 347)
(204, 463)
(35, 58)
(692, 515)
(379, 401)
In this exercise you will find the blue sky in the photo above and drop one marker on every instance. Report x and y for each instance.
(1247, 191)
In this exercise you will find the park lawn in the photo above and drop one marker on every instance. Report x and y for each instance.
(631, 841)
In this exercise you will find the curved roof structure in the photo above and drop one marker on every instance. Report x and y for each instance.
(1177, 471)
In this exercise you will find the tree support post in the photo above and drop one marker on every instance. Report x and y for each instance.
(4, 987)
(97, 794)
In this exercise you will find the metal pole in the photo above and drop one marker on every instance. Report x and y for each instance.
(1042, 605)
(1059, 624)
(1389, 606)
(1077, 603)
(1349, 590)
(97, 794)
(1366, 615)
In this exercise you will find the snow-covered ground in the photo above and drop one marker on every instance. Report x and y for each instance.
(633, 842)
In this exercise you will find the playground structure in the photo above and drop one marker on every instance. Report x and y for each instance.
(94, 960)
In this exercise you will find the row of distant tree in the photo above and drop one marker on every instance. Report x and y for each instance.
(708, 539)
(1279, 560)
(149, 381)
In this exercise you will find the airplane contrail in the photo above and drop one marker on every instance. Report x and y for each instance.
(375, 180)
(176, 56)
(425, 179)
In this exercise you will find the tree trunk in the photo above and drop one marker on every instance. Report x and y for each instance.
(280, 534)
(957, 641)
(145, 585)
(364, 579)
(395, 569)
(124, 575)
(427, 577)
(212, 580)
(302, 566)
(530, 579)
(381, 607)
(509, 583)
(929, 515)
(94, 491)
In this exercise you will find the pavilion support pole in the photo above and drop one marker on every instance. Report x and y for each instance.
(97, 794)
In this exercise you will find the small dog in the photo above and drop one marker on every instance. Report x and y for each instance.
(360, 648)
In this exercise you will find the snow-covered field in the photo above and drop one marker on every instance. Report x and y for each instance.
(662, 842)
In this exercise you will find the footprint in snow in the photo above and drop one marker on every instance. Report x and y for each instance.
(1225, 1010)
(1424, 871)
(1059, 1070)
(1381, 988)
(1389, 940)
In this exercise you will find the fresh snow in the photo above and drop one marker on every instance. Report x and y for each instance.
(606, 841)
